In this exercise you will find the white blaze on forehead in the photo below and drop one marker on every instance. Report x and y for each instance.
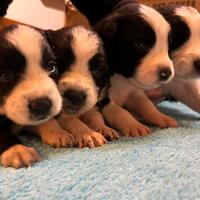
(192, 17)
(29, 42)
(85, 44)
(160, 26)
(155, 19)
(186, 11)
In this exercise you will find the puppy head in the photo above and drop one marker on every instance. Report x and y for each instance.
(136, 38)
(184, 45)
(84, 72)
(28, 95)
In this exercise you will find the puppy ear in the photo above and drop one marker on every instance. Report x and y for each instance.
(49, 35)
(107, 27)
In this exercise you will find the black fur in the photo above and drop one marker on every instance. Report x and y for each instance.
(75, 100)
(99, 69)
(12, 66)
(4, 6)
(121, 32)
(125, 44)
(180, 32)
(47, 57)
(98, 9)
(60, 42)
(7, 139)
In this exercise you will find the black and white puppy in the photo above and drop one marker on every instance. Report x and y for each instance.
(83, 81)
(136, 40)
(185, 53)
(28, 94)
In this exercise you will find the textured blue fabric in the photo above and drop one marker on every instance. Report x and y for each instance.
(163, 165)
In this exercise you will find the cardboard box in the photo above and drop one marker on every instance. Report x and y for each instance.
(76, 18)
(161, 3)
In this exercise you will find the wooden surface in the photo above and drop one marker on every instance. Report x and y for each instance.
(6, 22)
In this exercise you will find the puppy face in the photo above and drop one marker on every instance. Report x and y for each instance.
(28, 95)
(185, 51)
(136, 38)
(84, 72)
(185, 38)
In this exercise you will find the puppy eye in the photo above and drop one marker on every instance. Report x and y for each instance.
(97, 72)
(5, 76)
(52, 68)
(139, 45)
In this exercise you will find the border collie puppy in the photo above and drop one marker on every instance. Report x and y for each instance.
(136, 40)
(185, 53)
(84, 78)
(28, 95)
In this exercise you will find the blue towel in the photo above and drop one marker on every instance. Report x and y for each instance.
(162, 165)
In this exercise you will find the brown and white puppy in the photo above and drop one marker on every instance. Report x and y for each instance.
(84, 78)
(28, 94)
(136, 40)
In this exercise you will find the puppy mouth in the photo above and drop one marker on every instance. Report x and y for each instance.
(71, 109)
(40, 119)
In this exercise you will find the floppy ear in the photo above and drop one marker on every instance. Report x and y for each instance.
(107, 27)
(58, 37)
(50, 36)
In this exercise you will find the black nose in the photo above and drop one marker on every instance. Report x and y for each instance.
(75, 97)
(165, 73)
(40, 107)
(197, 65)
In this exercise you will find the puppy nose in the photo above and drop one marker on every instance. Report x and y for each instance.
(165, 73)
(197, 65)
(75, 97)
(40, 106)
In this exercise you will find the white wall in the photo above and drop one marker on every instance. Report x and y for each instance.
(47, 14)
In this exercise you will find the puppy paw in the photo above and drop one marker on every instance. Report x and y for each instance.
(91, 140)
(166, 122)
(137, 129)
(58, 139)
(19, 156)
(109, 133)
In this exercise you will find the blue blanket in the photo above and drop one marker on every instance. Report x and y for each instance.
(163, 165)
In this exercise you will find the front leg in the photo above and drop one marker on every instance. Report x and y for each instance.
(51, 133)
(84, 136)
(13, 153)
(95, 121)
(140, 104)
(120, 119)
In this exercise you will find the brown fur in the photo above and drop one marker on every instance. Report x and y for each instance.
(95, 121)
(141, 105)
(122, 120)
(19, 156)
(52, 134)
(83, 135)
